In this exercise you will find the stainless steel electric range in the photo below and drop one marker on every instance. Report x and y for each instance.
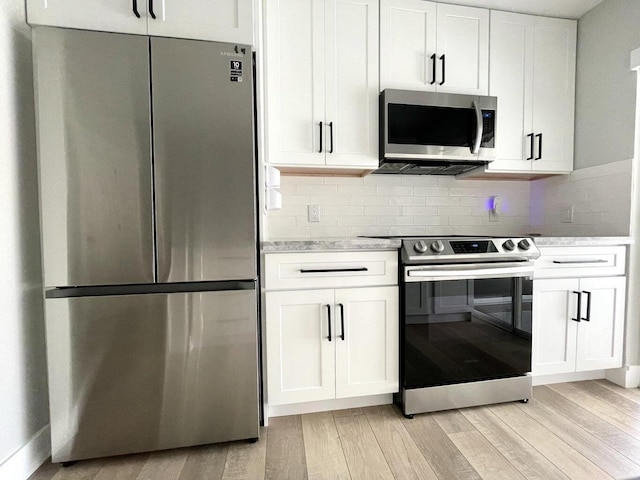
(465, 321)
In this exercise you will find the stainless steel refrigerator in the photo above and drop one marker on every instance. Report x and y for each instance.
(148, 213)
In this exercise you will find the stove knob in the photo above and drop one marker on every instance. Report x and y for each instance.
(509, 245)
(420, 246)
(524, 244)
(437, 246)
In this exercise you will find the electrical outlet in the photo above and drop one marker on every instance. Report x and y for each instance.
(566, 214)
(313, 213)
(493, 216)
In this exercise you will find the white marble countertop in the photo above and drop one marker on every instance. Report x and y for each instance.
(362, 243)
(581, 241)
(358, 243)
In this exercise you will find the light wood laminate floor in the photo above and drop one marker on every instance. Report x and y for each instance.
(581, 430)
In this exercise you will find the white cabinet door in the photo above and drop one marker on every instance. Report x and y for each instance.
(434, 47)
(322, 83)
(351, 33)
(511, 80)
(463, 49)
(554, 94)
(600, 334)
(295, 81)
(300, 356)
(554, 333)
(106, 15)
(532, 72)
(407, 44)
(366, 341)
(220, 20)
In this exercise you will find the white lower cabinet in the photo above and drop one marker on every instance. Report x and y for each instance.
(571, 338)
(331, 343)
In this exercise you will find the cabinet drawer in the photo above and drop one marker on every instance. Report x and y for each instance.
(563, 262)
(330, 269)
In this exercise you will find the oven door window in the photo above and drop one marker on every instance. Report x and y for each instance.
(466, 330)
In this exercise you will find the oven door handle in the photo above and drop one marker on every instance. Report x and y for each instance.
(467, 272)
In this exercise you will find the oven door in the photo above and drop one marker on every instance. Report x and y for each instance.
(465, 323)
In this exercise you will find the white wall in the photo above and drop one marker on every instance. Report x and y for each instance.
(600, 197)
(605, 86)
(397, 205)
(23, 386)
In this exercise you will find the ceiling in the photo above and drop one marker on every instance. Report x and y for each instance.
(550, 8)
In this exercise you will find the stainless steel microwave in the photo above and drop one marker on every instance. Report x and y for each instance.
(429, 132)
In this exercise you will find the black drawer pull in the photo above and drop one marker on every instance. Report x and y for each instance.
(333, 270)
(588, 317)
(341, 320)
(579, 309)
(329, 320)
(135, 8)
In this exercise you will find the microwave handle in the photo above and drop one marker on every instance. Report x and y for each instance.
(476, 144)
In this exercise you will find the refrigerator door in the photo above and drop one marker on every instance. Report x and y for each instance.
(204, 160)
(135, 373)
(94, 152)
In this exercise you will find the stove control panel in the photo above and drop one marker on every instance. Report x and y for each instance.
(456, 249)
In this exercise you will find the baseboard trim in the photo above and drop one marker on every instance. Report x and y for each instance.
(567, 377)
(627, 376)
(26, 460)
(326, 405)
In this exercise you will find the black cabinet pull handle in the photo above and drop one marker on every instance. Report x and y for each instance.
(433, 69)
(330, 137)
(320, 138)
(341, 320)
(539, 136)
(443, 68)
(151, 12)
(579, 309)
(531, 146)
(329, 320)
(135, 8)
(588, 317)
(331, 270)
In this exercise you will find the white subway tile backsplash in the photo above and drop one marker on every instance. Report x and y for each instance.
(394, 190)
(382, 210)
(420, 211)
(443, 205)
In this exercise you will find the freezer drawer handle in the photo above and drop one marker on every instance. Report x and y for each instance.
(341, 320)
(333, 270)
(574, 262)
(329, 320)
(135, 8)
(151, 12)
(579, 309)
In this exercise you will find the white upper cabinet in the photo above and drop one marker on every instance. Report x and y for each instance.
(322, 83)
(220, 20)
(532, 72)
(434, 47)
(109, 16)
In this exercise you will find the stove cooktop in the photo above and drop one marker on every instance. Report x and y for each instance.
(465, 249)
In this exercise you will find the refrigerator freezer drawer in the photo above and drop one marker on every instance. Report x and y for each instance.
(134, 373)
